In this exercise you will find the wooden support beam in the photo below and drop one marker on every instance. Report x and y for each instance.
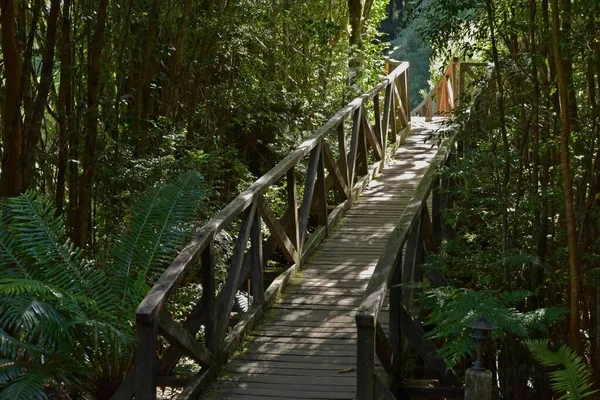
(233, 277)
(370, 136)
(425, 348)
(356, 128)
(338, 179)
(384, 350)
(187, 343)
(309, 188)
(277, 231)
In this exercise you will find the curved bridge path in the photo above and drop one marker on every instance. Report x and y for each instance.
(305, 345)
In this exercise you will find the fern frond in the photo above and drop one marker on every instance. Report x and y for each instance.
(29, 386)
(574, 380)
(157, 231)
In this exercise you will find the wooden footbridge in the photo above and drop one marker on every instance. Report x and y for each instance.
(353, 211)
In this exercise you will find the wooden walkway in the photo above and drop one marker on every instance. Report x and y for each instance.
(305, 347)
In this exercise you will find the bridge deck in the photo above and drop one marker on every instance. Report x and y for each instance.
(305, 347)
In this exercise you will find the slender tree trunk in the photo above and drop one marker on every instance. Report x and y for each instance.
(505, 147)
(172, 93)
(143, 100)
(565, 117)
(33, 124)
(83, 220)
(64, 108)
(10, 180)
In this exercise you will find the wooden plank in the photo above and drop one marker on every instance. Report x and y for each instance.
(198, 383)
(314, 381)
(289, 394)
(178, 336)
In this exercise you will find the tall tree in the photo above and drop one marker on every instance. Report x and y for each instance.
(84, 210)
(10, 180)
(567, 177)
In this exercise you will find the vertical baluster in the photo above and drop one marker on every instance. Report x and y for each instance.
(393, 113)
(437, 205)
(408, 99)
(322, 189)
(356, 124)
(402, 87)
(395, 302)
(292, 199)
(378, 133)
(207, 271)
(341, 134)
(146, 360)
(387, 107)
(256, 271)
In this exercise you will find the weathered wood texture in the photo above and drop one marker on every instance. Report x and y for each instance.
(331, 184)
(305, 348)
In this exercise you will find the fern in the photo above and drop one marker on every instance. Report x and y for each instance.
(157, 231)
(453, 311)
(574, 380)
(65, 319)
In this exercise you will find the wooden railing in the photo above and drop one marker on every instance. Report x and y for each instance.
(446, 95)
(418, 233)
(339, 159)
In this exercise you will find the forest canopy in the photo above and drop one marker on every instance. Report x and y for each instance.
(127, 124)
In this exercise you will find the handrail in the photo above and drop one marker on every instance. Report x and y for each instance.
(346, 176)
(446, 95)
(416, 230)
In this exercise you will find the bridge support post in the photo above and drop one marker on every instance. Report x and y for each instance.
(478, 384)
(365, 357)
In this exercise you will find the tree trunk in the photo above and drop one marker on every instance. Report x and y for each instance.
(65, 108)
(143, 99)
(10, 180)
(565, 118)
(32, 132)
(505, 147)
(83, 219)
(172, 93)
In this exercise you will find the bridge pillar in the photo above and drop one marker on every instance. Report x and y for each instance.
(478, 384)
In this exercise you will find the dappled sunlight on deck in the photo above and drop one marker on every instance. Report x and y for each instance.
(305, 348)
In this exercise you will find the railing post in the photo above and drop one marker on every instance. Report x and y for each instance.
(321, 189)
(408, 105)
(257, 273)
(292, 198)
(341, 134)
(395, 299)
(365, 357)
(207, 271)
(146, 359)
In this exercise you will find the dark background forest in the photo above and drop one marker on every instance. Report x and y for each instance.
(120, 118)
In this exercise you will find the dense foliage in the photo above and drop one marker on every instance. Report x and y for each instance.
(106, 107)
(524, 226)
